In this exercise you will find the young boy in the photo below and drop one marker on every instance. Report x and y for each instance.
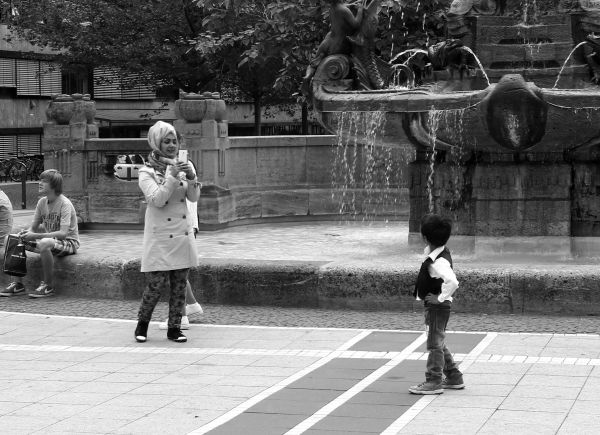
(52, 232)
(435, 285)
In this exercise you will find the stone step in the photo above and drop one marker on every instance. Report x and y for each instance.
(503, 55)
(505, 34)
(495, 20)
(572, 77)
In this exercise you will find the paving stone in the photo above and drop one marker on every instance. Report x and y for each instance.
(257, 424)
(546, 392)
(78, 424)
(362, 410)
(353, 424)
(537, 404)
(437, 421)
(385, 341)
(304, 407)
(523, 422)
(465, 399)
(580, 424)
(552, 381)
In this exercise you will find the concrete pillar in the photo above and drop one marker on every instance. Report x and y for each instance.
(201, 121)
(70, 121)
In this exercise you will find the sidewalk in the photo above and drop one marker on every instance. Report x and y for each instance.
(72, 375)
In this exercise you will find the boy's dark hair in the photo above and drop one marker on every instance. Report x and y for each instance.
(436, 229)
(53, 177)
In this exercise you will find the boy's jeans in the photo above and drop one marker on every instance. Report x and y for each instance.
(440, 359)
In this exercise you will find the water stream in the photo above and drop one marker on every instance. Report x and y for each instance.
(468, 50)
(566, 61)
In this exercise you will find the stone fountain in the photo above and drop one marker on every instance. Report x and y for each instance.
(503, 119)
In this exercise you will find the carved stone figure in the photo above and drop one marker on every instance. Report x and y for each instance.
(343, 24)
(586, 27)
(515, 113)
(371, 72)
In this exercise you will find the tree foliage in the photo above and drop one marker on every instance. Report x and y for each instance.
(149, 39)
(260, 48)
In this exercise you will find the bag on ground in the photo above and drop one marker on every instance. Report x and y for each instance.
(15, 258)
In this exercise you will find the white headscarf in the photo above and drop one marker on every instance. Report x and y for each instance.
(158, 132)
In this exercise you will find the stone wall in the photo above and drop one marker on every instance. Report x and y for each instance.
(244, 178)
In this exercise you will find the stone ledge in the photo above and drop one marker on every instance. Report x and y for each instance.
(486, 289)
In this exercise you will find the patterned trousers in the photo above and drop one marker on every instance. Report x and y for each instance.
(175, 280)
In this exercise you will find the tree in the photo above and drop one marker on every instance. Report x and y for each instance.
(148, 40)
(262, 47)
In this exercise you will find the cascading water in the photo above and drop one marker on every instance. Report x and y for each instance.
(366, 176)
(567, 61)
(433, 119)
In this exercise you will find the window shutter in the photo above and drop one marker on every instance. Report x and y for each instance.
(104, 89)
(50, 79)
(7, 145)
(113, 90)
(29, 144)
(28, 79)
(7, 73)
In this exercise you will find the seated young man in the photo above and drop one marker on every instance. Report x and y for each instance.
(52, 232)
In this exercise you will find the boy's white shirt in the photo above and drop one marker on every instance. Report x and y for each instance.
(441, 268)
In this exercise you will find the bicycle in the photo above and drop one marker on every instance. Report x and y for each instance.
(33, 164)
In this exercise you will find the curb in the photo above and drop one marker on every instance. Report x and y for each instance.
(570, 289)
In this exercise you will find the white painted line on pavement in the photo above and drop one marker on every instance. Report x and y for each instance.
(422, 403)
(279, 386)
(357, 388)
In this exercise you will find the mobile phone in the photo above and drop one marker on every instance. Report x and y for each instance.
(183, 156)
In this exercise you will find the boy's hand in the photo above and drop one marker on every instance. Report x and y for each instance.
(432, 299)
(28, 235)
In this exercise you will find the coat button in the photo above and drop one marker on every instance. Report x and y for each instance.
(181, 183)
(186, 233)
(166, 202)
(183, 216)
(169, 219)
(170, 236)
(182, 200)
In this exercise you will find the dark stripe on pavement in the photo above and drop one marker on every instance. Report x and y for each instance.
(386, 341)
(458, 342)
(379, 405)
(296, 402)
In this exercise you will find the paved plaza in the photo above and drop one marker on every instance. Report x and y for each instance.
(84, 375)
(71, 365)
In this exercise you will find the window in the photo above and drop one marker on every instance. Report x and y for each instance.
(27, 144)
(8, 74)
(75, 82)
(108, 84)
(36, 77)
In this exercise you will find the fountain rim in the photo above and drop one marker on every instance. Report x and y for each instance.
(417, 100)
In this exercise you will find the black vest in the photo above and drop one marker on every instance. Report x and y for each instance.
(425, 283)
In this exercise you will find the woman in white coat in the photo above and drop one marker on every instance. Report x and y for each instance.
(169, 248)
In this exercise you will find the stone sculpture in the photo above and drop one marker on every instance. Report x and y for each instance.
(343, 24)
(352, 36)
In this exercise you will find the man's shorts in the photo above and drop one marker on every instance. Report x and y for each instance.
(61, 248)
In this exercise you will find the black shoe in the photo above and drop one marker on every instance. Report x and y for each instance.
(174, 334)
(141, 331)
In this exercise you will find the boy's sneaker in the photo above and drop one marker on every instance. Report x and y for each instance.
(43, 291)
(426, 388)
(447, 384)
(185, 323)
(13, 289)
